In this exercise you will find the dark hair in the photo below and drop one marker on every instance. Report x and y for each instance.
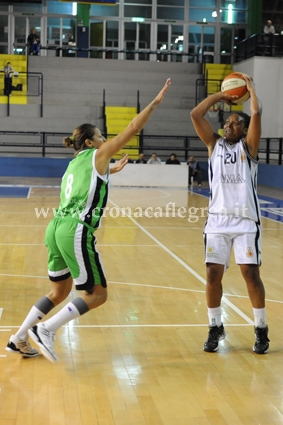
(246, 118)
(79, 136)
(173, 154)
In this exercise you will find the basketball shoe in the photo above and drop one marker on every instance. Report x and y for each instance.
(18, 346)
(45, 340)
(261, 340)
(215, 334)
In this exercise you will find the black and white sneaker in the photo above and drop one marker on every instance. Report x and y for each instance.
(44, 338)
(18, 346)
(215, 334)
(262, 342)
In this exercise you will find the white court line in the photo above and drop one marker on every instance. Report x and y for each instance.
(98, 244)
(267, 218)
(165, 325)
(1, 311)
(170, 288)
(231, 305)
(262, 201)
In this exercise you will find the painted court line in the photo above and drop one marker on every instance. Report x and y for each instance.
(170, 288)
(231, 305)
(162, 325)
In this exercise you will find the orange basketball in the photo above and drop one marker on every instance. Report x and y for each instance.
(236, 85)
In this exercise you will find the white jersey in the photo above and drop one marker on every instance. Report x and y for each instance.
(232, 173)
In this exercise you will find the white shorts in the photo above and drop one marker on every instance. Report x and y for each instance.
(222, 232)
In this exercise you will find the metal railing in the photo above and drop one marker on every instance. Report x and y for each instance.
(259, 45)
(48, 144)
(34, 88)
(129, 54)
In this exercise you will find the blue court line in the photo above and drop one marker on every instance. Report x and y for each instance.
(14, 192)
(271, 208)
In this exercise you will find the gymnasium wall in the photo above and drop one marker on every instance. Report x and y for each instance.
(270, 175)
(267, 75)
(65, 108)
(148, 175)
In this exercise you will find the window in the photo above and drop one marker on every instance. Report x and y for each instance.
(59, 8)
(174, 13)
(98, 10)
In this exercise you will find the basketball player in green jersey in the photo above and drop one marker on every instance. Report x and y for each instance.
(70, 240)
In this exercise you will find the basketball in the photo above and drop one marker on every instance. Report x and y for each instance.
(236, 85)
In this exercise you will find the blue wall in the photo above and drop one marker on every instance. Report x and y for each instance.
(268, 175)
(33, 167)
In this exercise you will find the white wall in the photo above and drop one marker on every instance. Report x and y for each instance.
(151, 175)
(268, 77)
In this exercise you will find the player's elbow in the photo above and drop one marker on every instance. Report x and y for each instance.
(195, 115)
(256, 113)
(133, 128)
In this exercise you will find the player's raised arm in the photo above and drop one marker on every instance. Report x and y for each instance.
(202, 126)
(254, 132)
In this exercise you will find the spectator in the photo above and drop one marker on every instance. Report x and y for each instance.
(141, 159)
(173, 160)
(8, 71)
(269, 28)
(33, 42)
(194, 171)
(268, 38)
(154, 159)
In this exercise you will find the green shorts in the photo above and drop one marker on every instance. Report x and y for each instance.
(71, 251)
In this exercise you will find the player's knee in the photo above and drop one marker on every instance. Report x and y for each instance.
(98, 293)
(250, 273)
(58, 295)
(214, 273)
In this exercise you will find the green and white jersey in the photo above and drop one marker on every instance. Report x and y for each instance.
(84, 192)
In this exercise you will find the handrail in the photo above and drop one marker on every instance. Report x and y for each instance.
(268, 154)
(25, 93)
(259, 45)
(113, 50)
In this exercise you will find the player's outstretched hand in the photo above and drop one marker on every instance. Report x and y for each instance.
(162, 92)
(119, 165)
(249, 81)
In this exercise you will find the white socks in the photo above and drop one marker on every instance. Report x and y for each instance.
(65, 315)
(34, 316)
(214, 316)
(260, 317)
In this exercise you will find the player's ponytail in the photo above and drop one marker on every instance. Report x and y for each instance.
(68, 142)
(79, 136)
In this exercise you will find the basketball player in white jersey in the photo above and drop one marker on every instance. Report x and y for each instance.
(234, 213)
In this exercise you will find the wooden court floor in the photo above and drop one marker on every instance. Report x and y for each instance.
(139, 359)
